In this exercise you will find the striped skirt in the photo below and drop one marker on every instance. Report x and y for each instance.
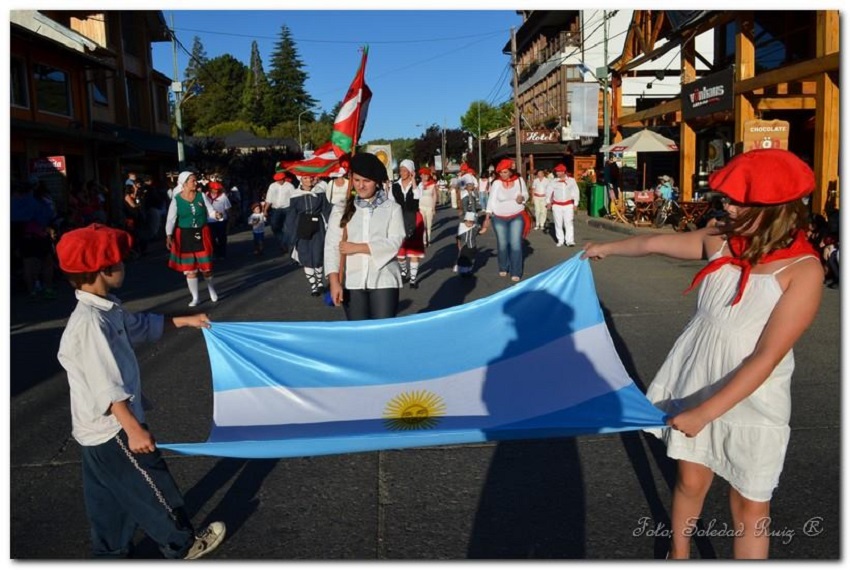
(191, 261)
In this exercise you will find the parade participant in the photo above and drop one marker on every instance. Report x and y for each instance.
(726, 382)
(405, 193)
(126, 482)
(428, 198)
(538, 193)
(365, 235)
(508, 195)
(32, 234)
(257, 221)
(310, 209)
(483, 189)
(338, 189)
(562, 196)
(467, 248)
(277, 208)
(187, 235)
(133, 216)
(218, 221)
(468, 199)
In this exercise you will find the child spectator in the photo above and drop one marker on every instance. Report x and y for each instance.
(467, 234)
(257, 222)
(126, 482)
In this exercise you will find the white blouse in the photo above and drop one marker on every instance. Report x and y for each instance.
(502, 201)
(383, 229)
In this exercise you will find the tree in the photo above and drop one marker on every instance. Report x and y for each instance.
(193, 84)
(287, 96)
(256, 91)
(492, 118)
(221, 98)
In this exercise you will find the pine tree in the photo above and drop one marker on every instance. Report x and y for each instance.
(220, 101)
(256, 89)
(193, 84)
(287, 96)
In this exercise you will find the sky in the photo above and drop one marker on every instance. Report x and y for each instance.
(424, 67)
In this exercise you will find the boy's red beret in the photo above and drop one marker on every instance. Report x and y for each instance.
(92, 248)
(764, 177)
(560, 168)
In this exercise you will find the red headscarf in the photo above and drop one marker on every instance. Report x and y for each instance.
(738, 244)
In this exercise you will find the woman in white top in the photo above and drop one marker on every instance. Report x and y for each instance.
(507, 200)
(428, 196)
(366, 234)
(338, 188)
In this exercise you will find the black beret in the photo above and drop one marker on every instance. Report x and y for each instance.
(369, 166)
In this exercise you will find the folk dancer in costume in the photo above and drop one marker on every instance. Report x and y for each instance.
(188, 237)
(726, 383)
(368, 232)
(339, 188)
(277, 208)
(562, 196)
(538, 197)
(428, 198)
(505, 210)
(406, 194)
(310, 210)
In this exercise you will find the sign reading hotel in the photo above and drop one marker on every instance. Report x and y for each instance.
(765, 134)
(540, 137)
(708, 95)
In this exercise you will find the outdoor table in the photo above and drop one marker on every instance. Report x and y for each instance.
(692, 211)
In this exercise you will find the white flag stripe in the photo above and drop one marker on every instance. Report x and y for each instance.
(483, 391)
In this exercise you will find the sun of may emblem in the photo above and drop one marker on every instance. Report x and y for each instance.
(414, 410)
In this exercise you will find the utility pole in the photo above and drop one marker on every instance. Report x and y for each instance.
(480, 161)
(517, 131)
(177, 88)
(605, 119)
(445, 159)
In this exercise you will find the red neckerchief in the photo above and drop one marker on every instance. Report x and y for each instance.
(429, 183)
(509, 182)
(737, 244)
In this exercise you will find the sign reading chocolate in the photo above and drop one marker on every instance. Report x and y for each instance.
(766, 134)
(710, 94)
(541, 137)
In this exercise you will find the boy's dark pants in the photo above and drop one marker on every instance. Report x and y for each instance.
(119, 498)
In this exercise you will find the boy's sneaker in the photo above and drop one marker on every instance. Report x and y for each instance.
(206, 541)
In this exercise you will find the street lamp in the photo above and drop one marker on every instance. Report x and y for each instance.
(300, 145)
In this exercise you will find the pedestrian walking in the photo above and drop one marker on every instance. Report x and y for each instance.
(339, 188)
(483, 189)
(257, 221)
(361, 245)
(505, 211)
(562, 196)
(310, 211)
(126, 482)
(428, 198)
(406, 194)
(219, 220)
(467, 244)
(277, 208)
(538, 198)
(188, 237)
(726, 384)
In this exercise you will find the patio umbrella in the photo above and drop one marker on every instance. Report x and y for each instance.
(643, 141)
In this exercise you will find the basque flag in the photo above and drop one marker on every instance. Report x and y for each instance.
(533, 361)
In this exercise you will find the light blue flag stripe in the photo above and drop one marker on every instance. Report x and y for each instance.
(550, 305)
(527, 362)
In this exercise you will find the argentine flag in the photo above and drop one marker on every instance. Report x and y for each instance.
(533, 361)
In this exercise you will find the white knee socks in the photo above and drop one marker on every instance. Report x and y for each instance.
(192, 282)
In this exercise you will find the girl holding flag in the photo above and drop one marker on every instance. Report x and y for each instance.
(726, 384)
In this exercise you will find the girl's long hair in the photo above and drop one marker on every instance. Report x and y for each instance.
(349, 208)
(768, 227)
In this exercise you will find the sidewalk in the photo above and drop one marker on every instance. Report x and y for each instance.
(619, 227)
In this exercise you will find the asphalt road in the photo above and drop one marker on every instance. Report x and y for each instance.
(590, 497)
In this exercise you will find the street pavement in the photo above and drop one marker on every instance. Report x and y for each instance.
(589, 497)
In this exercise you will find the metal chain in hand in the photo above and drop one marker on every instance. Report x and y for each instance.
(147, 477)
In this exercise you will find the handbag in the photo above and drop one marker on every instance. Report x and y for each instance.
(308, 225)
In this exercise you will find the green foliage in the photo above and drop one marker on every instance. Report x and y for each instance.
(221, 95)
(492, 118)
(287, 96)
(256, 91)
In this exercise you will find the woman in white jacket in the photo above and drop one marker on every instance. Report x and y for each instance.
(365, 235)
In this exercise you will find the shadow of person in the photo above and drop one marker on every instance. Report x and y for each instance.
(451, 293)
(633, 443)
(532, 503)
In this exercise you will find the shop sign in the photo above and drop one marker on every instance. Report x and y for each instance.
(708, 95)
(47, 165)
(541, 137)
(766, 134)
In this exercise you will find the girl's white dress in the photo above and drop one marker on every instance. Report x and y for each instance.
(746, 445)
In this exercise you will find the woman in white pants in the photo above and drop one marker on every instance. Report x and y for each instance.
(538, 193)
(562, 196)
(427, 200)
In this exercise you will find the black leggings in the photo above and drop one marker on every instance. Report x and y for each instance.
(363, 304)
